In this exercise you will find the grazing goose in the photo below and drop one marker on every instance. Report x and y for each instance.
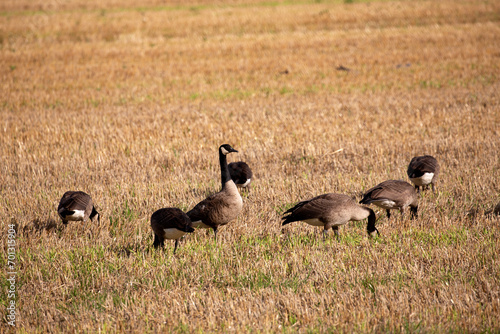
(392, 194)
(170, 223)
(494, 212)
(222, 207)
(422, 171)
(241, 174)
(330, 211)
(76, 206)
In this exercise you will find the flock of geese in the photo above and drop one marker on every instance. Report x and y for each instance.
(327, 210)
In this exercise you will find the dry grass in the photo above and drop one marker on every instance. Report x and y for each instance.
(130, 102)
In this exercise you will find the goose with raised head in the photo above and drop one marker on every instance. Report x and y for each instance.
(77, 206)
(423, 171)
(170, 223)
(330, 211)
(241, 174)
(220, 208)
(392, 194)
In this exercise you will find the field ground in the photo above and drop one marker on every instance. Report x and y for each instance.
(129, 103)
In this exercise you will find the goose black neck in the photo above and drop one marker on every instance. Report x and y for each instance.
(371, 221)
(414, 211)
(224, 170)
(93, 213)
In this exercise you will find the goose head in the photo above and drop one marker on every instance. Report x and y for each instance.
(94, 214)
(226, 149)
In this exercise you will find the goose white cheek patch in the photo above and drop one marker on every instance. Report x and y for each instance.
(224, 151)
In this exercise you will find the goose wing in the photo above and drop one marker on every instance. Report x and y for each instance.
(171, 218)
(75, 200)
(314, 208)
(389, 190)
(420, 165)
(240, 172)
(202, 209)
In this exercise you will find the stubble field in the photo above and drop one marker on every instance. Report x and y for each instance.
(129, 102)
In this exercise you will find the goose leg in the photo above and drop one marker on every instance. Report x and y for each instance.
(176, 244)
(414, 213)
(388, 214)
(157, 242)
(336, 231)
(325, 232)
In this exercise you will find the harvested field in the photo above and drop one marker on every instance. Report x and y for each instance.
(129, 102)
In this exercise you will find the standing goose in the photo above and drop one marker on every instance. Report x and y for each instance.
(170, 223)
(222, 207)
(392, 194)
(76, 206)
(330, 211)
(422, 171)
(241, 174)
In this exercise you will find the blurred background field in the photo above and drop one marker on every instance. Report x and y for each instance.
(129, 102)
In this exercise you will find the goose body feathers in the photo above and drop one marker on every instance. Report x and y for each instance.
(423, 171)
(241, 174)
(76, 206)
(330, 211)
(171, 224)
(392, 194)
(222, 207)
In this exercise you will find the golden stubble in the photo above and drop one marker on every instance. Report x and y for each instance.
(130, 103)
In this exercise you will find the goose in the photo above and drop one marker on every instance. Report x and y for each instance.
(494, 212)
(77, 206)
(422, 171)
(222, 207)
(241, 174)
(330, 211)
(170, 223)
(392, 194)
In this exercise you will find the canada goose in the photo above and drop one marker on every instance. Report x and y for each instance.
(330, 211)
(76, 206)
(422, 171)
(170, 223)
(222, 207)
(392, 194)
(241, 174)
(494, 211)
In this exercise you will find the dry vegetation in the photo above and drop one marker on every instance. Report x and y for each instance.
(129, 103)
